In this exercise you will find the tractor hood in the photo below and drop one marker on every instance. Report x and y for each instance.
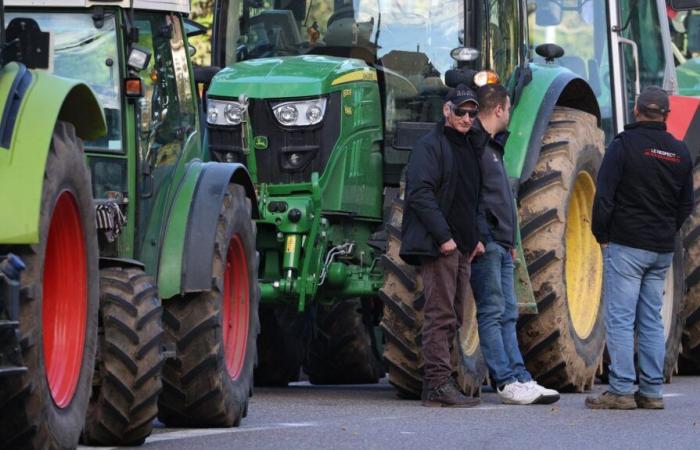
(291, 76)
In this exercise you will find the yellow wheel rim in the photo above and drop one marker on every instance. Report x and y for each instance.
(584, 262)
(468, 332)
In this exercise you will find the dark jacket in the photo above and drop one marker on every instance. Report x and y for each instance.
(497, 218)
(430, 188)
(644, 189)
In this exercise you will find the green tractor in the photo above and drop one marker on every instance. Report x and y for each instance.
(323, 101)
(49, 275)
(176, 305)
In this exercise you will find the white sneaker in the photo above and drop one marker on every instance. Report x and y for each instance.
(518, 394)
(547, 396)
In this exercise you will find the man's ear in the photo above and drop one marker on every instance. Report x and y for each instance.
(446, 110)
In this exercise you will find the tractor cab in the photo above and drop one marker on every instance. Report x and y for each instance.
(136, 61)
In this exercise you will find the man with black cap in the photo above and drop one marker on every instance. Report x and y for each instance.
(644, 194)
(439, 233)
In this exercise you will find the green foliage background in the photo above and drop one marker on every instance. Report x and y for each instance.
(203, 13)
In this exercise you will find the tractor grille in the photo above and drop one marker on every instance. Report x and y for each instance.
(225, 144)
(292, 154)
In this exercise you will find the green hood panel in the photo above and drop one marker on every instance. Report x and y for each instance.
(291, 76)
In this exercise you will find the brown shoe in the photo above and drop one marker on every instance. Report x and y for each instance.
(448, 395)
(609, 400)
(645, 402)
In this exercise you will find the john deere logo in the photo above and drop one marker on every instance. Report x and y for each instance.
(260, 142)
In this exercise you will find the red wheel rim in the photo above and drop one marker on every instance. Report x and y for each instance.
(64, 304)
(236, 307)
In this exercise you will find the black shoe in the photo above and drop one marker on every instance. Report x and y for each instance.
(447, 395)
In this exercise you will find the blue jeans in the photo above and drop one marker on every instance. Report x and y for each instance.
(633, 285)
(497, 314)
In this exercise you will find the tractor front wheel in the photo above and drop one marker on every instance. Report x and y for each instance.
(130, 357)
(215, 332)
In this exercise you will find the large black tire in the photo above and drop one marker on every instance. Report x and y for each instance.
(690, 354)
(281, 348)
(342, 350)
(198, 389)
(130, 358)
(39, 409)
(402, 323)
(672, 311)
(555, 211)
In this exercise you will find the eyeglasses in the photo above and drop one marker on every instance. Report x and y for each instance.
(461, 112)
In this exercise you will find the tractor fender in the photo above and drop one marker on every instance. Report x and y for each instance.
(550, 86)
(188, 249)
(32, 102)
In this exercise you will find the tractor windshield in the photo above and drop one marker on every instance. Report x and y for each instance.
(574, 25)
(84, 52)
(411, 37)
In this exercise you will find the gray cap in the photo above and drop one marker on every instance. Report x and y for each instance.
(653, 99)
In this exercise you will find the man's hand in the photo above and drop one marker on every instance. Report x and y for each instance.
(514, 253)
(478, 251)
(603, 245)
(448, 248)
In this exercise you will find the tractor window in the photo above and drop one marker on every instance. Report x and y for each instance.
(645, 30)
(166, 114)
(83, 52)
(580, 28)
(500, 47)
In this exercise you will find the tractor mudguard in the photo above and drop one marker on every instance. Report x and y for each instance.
(550, 86)
(187, 252)
(684, 123)
(22, 162)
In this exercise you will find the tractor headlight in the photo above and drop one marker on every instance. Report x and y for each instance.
(301, 113)
(224, 113)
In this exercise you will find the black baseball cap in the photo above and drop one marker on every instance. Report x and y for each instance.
(653, 99)
(461, 94)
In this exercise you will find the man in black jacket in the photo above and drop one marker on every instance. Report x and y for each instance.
(439, 232)
(644, 194)
(493, 272)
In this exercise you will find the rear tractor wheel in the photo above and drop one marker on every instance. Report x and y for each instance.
(45, 407)
(563, 344)
(402, 294)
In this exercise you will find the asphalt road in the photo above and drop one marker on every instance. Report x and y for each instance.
(369, 417)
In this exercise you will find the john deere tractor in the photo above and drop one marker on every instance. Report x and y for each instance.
(178, 299)
(323, 102)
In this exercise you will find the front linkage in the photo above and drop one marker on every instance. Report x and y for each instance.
(311, 265)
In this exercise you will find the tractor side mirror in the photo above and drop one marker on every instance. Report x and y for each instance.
(193, 28)
(547, 13)
(203, 75)
(680, 5)
(25, 43)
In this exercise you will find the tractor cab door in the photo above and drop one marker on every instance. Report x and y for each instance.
(641, 52)
(166, 120)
